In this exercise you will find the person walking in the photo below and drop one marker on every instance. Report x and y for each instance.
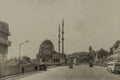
(22, 70)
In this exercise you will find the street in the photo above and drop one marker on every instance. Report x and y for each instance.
(81, 72)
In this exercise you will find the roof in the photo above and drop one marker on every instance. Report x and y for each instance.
(49, 42)
(116, 44)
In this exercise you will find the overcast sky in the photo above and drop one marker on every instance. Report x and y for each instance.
(87, 22)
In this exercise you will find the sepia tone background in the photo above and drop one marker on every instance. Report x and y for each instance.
(87, 22)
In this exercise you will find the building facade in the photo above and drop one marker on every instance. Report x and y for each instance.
(116, 48)
(4, 42)
(115, 52)
(45, 51)
(48, 54)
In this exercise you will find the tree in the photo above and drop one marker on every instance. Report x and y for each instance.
(102, 54)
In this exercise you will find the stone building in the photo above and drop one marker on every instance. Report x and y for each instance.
(48, 54)
(45, 51)
(116, 48)
(4, 42)
(115, 51)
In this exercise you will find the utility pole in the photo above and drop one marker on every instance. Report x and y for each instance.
(20, 48)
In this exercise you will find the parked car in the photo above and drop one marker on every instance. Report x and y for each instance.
(113, 66)
(70, 66)
(90, 64)
(42, 67)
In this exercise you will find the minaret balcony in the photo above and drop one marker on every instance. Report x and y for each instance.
(62, 38)
(62, 32)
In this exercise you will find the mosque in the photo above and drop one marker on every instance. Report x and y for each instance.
(47, 52)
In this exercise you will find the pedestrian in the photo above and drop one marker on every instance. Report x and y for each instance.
(22, 70)
(90, 64)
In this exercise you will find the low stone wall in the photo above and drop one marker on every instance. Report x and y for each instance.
(7, 70)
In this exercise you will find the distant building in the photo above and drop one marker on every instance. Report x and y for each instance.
(4, 42)
(48, 54)
(90, 49)
(81, 57)
(91, 54)
(115, 51)
(45, 51)
(116, 47)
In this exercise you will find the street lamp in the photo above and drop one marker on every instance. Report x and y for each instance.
(20, 47)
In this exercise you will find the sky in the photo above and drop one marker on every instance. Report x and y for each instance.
(87, 22)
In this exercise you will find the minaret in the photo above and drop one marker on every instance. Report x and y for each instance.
(90, 49)
(63, 36)
(59, 39)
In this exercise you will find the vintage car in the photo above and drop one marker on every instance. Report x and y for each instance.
(90, 64)
(70, 66)
(42, 67)
(113, 66)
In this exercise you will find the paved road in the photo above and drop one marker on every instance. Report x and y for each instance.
(82, 72)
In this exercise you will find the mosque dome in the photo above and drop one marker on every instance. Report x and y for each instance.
(47, 42)
(46, 46)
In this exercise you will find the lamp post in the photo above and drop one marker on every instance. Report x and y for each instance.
(20, 48)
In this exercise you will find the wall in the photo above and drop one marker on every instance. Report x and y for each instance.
(6, 70)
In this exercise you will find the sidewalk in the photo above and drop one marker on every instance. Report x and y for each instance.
(26, 74)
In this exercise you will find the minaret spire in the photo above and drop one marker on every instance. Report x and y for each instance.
(59, 36)
(63, 36)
